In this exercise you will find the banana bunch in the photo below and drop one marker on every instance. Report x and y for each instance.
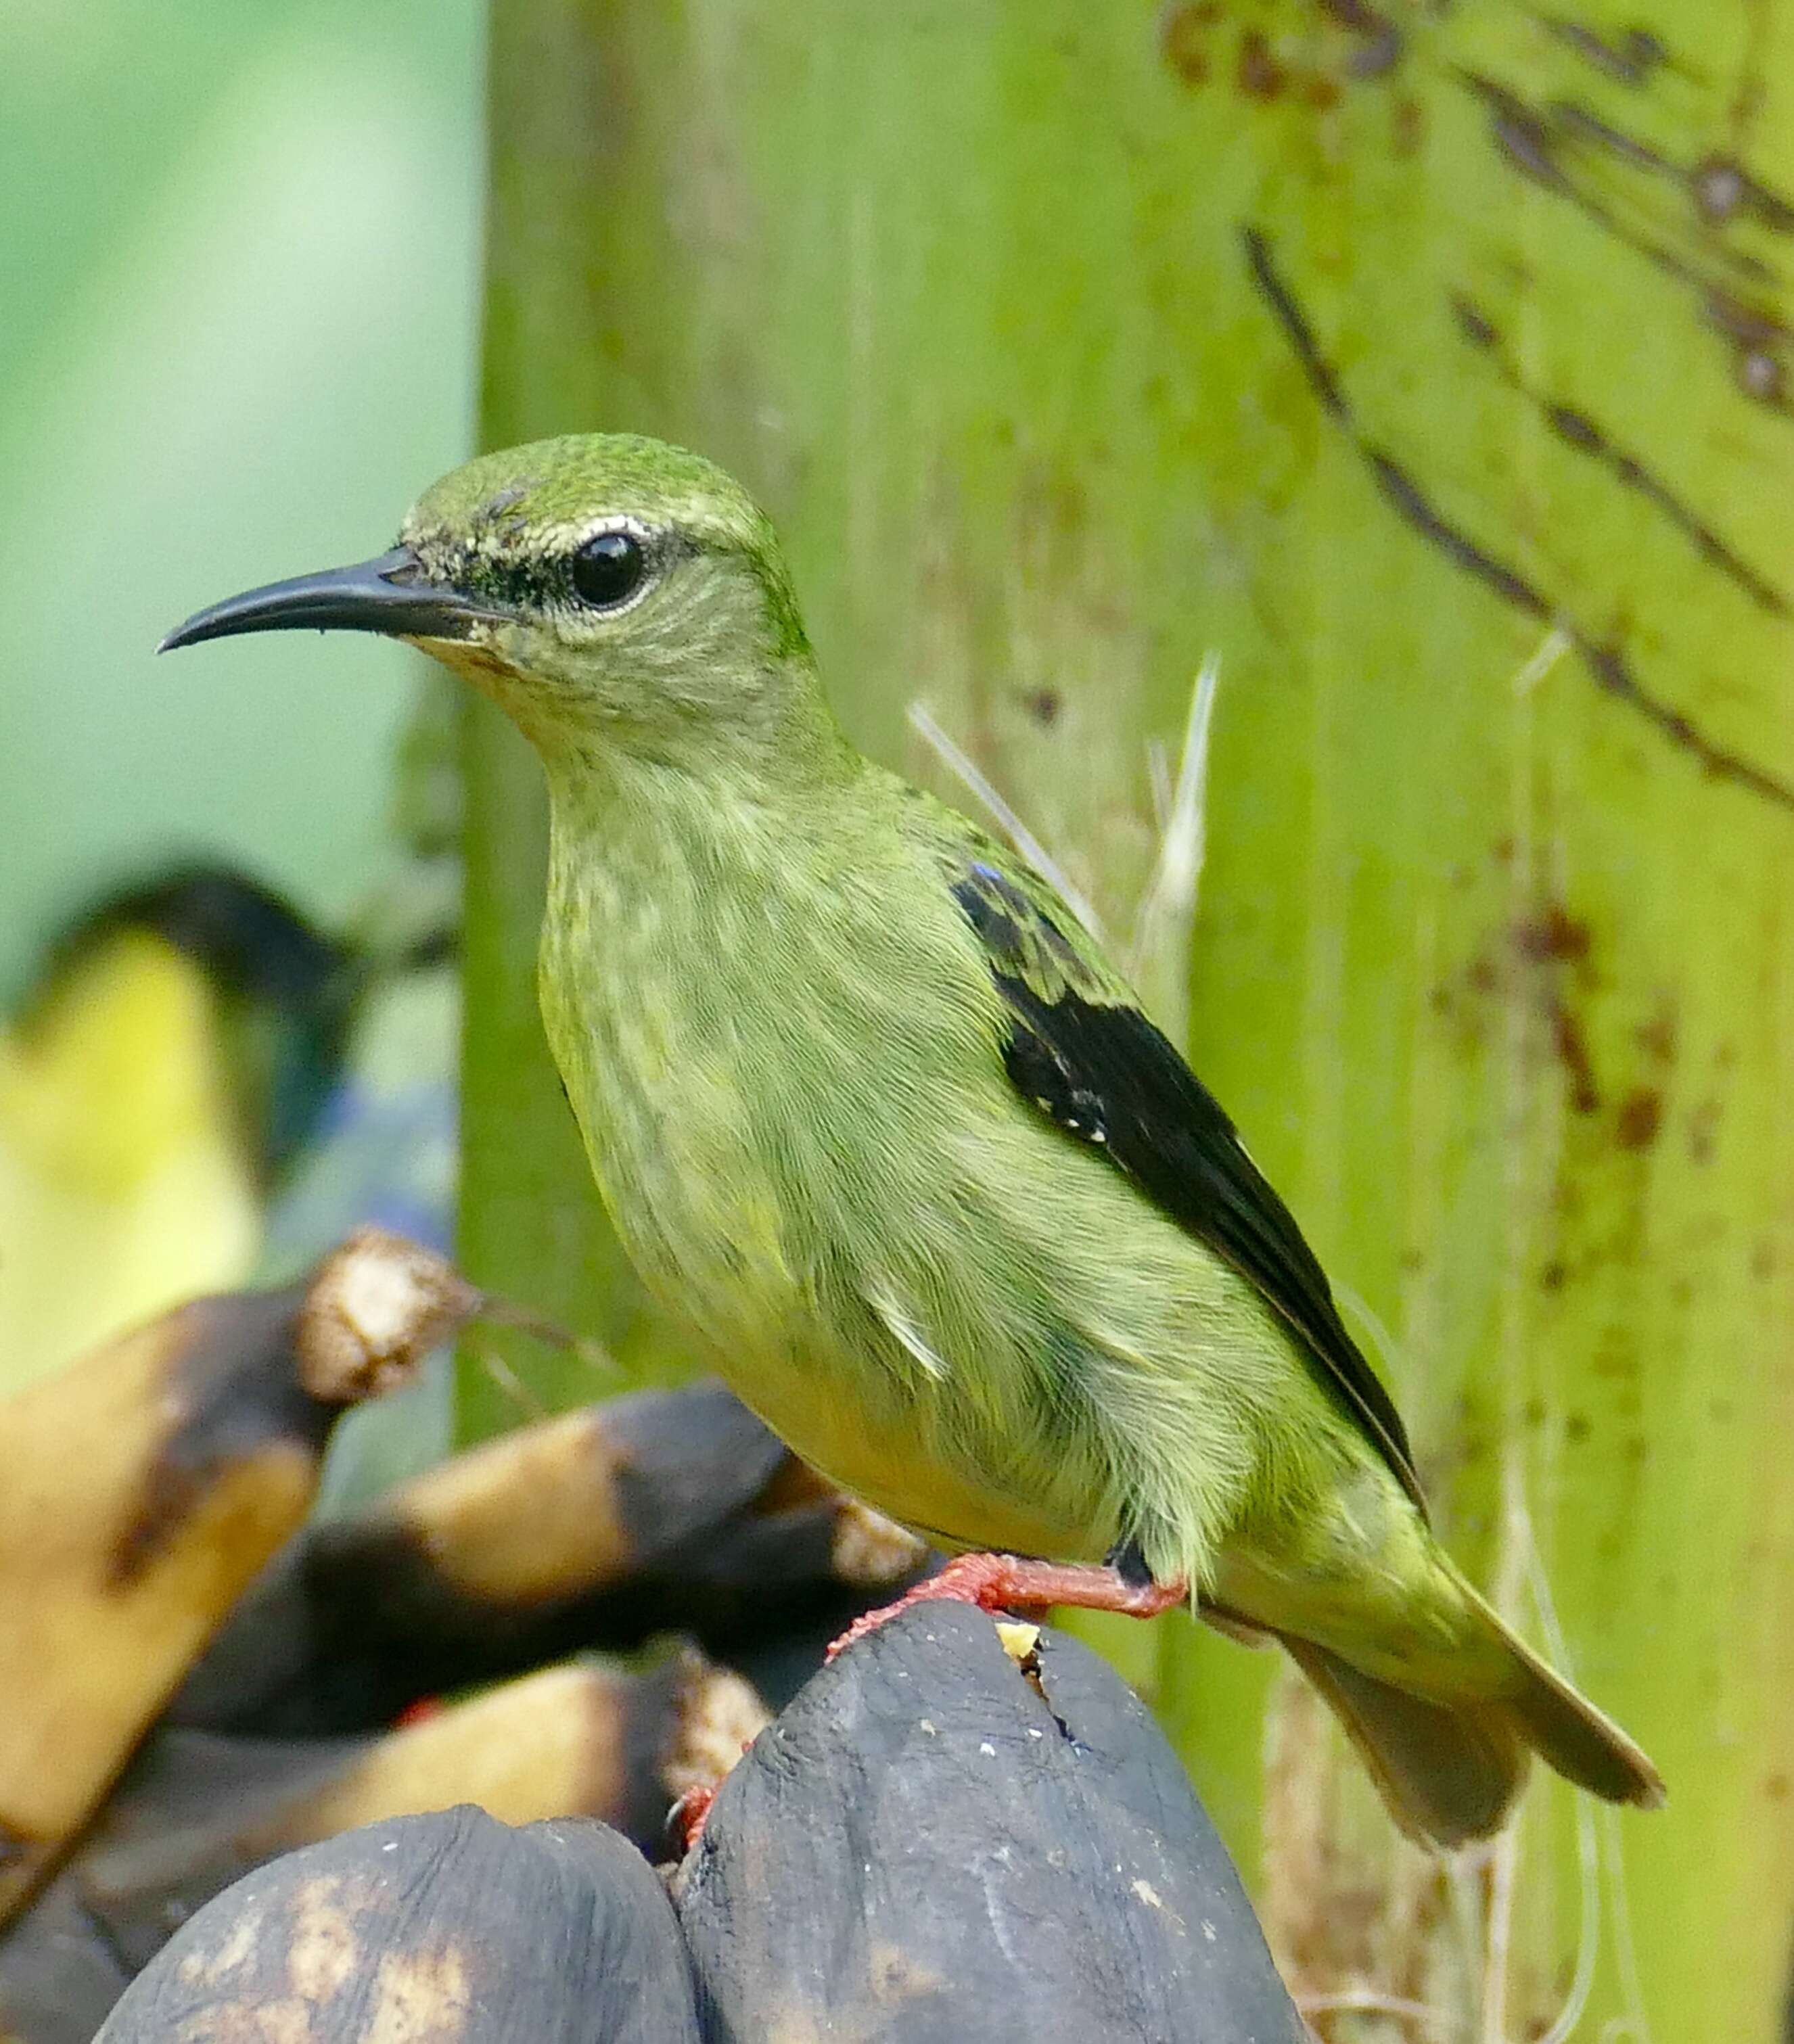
(200, 1678)
(143, 1489)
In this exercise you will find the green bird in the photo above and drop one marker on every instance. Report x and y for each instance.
(874, 1116)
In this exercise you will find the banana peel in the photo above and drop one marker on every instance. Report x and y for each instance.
(198, 1811)
(582, 1739)
(658, 1511)
(143, 1488)
(447, 1927)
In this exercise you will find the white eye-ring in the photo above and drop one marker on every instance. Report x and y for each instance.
(610, 568)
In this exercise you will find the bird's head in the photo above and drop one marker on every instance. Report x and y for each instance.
(596, 586)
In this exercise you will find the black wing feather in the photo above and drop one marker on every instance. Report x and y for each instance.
(1103, 1072)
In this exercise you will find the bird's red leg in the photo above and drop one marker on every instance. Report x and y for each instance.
(1009, 1582)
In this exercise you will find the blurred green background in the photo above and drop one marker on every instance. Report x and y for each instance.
(239, 271)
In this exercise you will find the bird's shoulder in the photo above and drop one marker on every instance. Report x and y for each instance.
(1022, 925)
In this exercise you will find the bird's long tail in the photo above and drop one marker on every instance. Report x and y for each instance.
(1450, 1770)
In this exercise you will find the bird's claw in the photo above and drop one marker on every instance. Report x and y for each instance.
(1012, 1582)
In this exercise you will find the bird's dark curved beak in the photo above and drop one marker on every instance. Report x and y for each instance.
(390, 594)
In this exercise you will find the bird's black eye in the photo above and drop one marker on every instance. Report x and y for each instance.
(608, 569)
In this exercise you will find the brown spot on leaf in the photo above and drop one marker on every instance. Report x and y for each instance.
(1641, 1115)
(1568, 1040)
(1553, 1277)
(1260, 75)
(1577, 1427)
(1183, 37)
(1408, 125)
(1044, 706)
(1657, 1038)
(1704, 1125)
(1553, 936)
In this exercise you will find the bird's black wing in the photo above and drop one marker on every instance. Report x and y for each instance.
(1079, 1048)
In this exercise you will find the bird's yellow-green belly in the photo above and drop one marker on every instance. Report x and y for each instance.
(778, 1248)
(900, 1454)
(917, 1447)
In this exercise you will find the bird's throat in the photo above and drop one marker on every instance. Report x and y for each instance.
(688, 919)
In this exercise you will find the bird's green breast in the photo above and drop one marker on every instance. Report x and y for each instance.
(787, 1075)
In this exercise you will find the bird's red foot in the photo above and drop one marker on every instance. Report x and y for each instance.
(1007, 1582)
(688, 1816)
